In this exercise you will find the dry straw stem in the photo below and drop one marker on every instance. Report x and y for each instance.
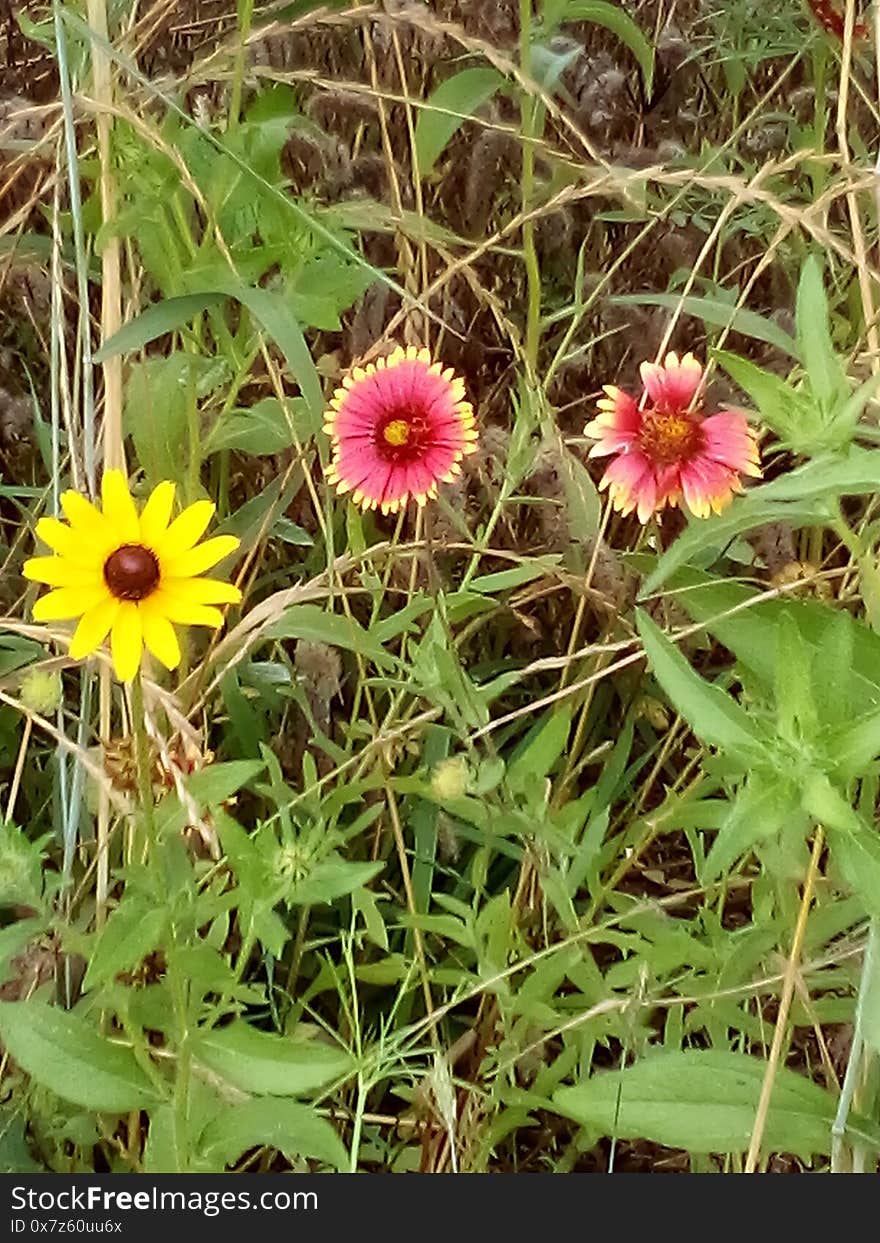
(625, 661)
(791, 972)
(851, 198)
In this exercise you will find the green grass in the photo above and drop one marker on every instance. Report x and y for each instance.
(512, 836)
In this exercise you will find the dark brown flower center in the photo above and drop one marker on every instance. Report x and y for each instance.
(131, 572)
(401, 435)
(667, 439)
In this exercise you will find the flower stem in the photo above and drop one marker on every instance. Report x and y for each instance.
(142, 757)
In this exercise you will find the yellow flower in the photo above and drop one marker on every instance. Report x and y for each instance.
(130, 576)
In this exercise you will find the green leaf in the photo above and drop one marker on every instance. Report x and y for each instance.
(453, 102)
(543, 746)
(331, 879)
(868, 1010)
(826, 376)
(583, 506)
(215, 783)
(779, 405)
(854, 473)
(612, 18)
(160, 396)
(133, 930)
(704, 534)
(845, 654)
(267, 1064)
(703, 1101)
(156, 321)
(63, 1052)
(308, 621)
(855, 848)
(324, 287)
(712, 714)
(269, 426)
(272, 309)
(719, 314)
(757, 814)
(294, 1129)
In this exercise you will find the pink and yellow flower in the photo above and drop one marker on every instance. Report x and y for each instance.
(398, 428)
(664, 451)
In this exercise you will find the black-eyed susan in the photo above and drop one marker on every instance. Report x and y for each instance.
(398, 427)
(128, 575)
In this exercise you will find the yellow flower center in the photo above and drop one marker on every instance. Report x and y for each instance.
(131, 572)
(397, 432)
(668, 438)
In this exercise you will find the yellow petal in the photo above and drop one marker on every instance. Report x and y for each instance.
(119, 508)
(185, 530)
(157, 514)
(67, 602)
(59, 572)
(126, 641)
(184, 613)
(200, 591)
(93, 628)
(84, 517)
(197, 560)
(67, 543)
(159, 634)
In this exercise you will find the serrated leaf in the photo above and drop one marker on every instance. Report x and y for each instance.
(63, 1052)
(294, 1129)
(268, 1064)
(713, 715)
(453, 102)
(703, 1101)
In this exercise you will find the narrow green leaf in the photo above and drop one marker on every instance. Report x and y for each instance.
(155, 322)
(780, 406)
(453, 102)
(827, 378)
(713, 715)
(720, 315)
(308, 621)
(613, 18)
(63, 1052)
(583, 506)
(703, 1101)
(272, 310)
(267, 1064)
(756, 815)
(705, 534)
(544, 744)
